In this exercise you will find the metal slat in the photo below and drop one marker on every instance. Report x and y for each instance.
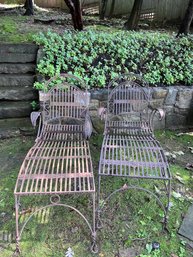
(67, 162)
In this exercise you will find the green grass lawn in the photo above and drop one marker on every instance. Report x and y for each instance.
(132, 220)
(10, 29)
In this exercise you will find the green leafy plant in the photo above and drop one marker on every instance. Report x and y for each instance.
(98, 57)
(34, 105)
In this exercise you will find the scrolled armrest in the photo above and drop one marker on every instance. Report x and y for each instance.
(34, 117)
(160, 112)
(87, 126)
(102, 112)
(156, 111)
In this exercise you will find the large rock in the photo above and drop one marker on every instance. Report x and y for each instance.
(157, 103)
(98, 124)
(168, 109)
(94, 104)
(18, 48)
(14, 123)
(157, 123)
(18, 93)
(184, 98)
(18, 53)
(16, 80)
(176, 121)
(15, 109)
(17, 58)
(186, 228)
(15, 126)
(159, 92)
(17, 68)
(182, 111)
(171, 96)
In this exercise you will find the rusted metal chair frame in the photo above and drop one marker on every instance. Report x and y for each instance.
(129, 128)
(59, 163)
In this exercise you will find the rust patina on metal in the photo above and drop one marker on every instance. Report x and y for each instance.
(129, 147)
(60, 162)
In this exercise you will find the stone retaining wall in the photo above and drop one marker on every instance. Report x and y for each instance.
(177, 101)
(17, 75)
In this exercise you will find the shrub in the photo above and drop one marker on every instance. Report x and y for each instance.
(98, 57)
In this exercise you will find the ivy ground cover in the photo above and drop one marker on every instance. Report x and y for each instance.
(98, 56)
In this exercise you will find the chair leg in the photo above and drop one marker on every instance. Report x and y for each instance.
(168, 191)
(99, 222)
(94, 247)
(17, 251)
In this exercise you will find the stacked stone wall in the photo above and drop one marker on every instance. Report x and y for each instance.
(17, 75)
(176, 101)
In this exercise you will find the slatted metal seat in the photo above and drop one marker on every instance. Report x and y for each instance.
(60, 162)
(134, 157)
(129, 147)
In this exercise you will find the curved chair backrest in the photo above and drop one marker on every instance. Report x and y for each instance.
(128, 97)
(66, 100)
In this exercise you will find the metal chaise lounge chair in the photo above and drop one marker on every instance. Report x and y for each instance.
(59, 163)
(129, 147)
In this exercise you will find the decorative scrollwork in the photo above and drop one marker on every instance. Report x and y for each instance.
(128, 77)
(134, 182)
(55, 199)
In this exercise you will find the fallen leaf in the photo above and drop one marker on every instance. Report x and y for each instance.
(173, 255)
(26, 211)
(157, 190)
(170, 205)
(170, 155)
(191, 149)
(176, 195)
(178, 153)
(189, 166)
(189, 198)
(179, 134)
(180, 179)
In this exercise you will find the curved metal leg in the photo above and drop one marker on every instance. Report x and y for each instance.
(17, 250)
(99, 224)
(126, 187)
(92, 229)
(168, 191)
(94, 247)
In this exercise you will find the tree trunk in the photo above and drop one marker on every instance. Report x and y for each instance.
(186, 22)
(134, 17)
(103, 9)
(29, 6)
(76, 13)
(112, 9)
